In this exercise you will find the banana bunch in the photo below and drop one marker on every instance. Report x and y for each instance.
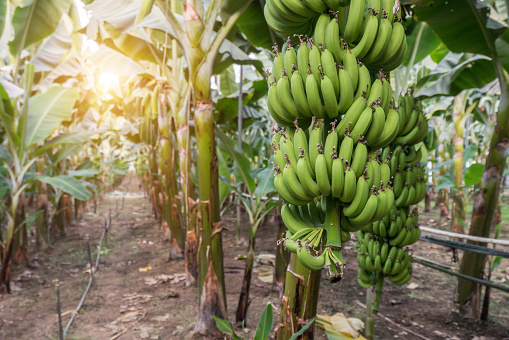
(372, 117)
(306, 81)
(378, 39)
(308, 233)
(286, 17)
(413, 124)
(401, 230)
(377, 255)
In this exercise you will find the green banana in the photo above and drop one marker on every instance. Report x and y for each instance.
(360, 198)
(351, 116)
(346, 90)
(338, 177)
(322, 177)
(355, 19)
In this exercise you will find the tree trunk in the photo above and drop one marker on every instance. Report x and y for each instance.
(427, 201)
(484, 213)
(458, 205)
(170, 213)
(443, 193)
(41, 230)
(299, 302)
(282, 258)
(240, 315)
(15, 248)
(211, 289)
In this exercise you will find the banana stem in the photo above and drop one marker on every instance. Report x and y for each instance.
(378, 292)
(370, 320)
(332, 223)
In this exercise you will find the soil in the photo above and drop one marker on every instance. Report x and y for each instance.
(126, 295)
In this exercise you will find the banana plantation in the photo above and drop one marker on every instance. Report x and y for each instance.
(273, 169)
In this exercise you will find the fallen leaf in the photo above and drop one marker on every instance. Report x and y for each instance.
(144, 334)
(412, 286)
(265, 275)
(128, 317)
(162, 318)
(146, 269)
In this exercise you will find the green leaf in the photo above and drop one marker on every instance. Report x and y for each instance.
(463, 25)
(131, 46)
(470, 152)
(78, 137)
(47, 110)
(242, 169)
(502, 47)
(3, 9)
(455, 73)
(265, 183)
(53, 50)
(265, 324)
(445, 182)
(441, 164)
(83, 173)
(428, 42)
(302, 330)
(473, 174)
(225, 327)
(253, 25)
(36, 20)
(5, 155)
(67, 184)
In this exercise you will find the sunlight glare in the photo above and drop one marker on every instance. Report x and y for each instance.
(108, 80)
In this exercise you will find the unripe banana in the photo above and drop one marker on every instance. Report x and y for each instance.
(322, 177)
(359, 159)
(293, 184)
(362, 124)
(320, 28)
(329, 69)
(283, 191)
(368, 37)
(313, 97)
(367, 213)
(329, 97)
(364, 84)
(355, 19)
(346, 90)
(351, 116)
(299, 94)
(382, 40)
(338, 177)
(360, 199)
(350, 186)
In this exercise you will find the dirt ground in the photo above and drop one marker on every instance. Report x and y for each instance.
(139, 292)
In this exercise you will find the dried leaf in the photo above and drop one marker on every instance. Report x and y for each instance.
(412, 286)
(162, 318)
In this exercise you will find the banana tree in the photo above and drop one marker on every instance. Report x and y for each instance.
(474, 26)
(200, 45)
(26, 128)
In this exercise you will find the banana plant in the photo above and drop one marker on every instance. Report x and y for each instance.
(263, 328)
(25, 130)
(258, 201)
(482, 32)
(200, 45)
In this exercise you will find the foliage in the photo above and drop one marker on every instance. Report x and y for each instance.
(262, 329)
